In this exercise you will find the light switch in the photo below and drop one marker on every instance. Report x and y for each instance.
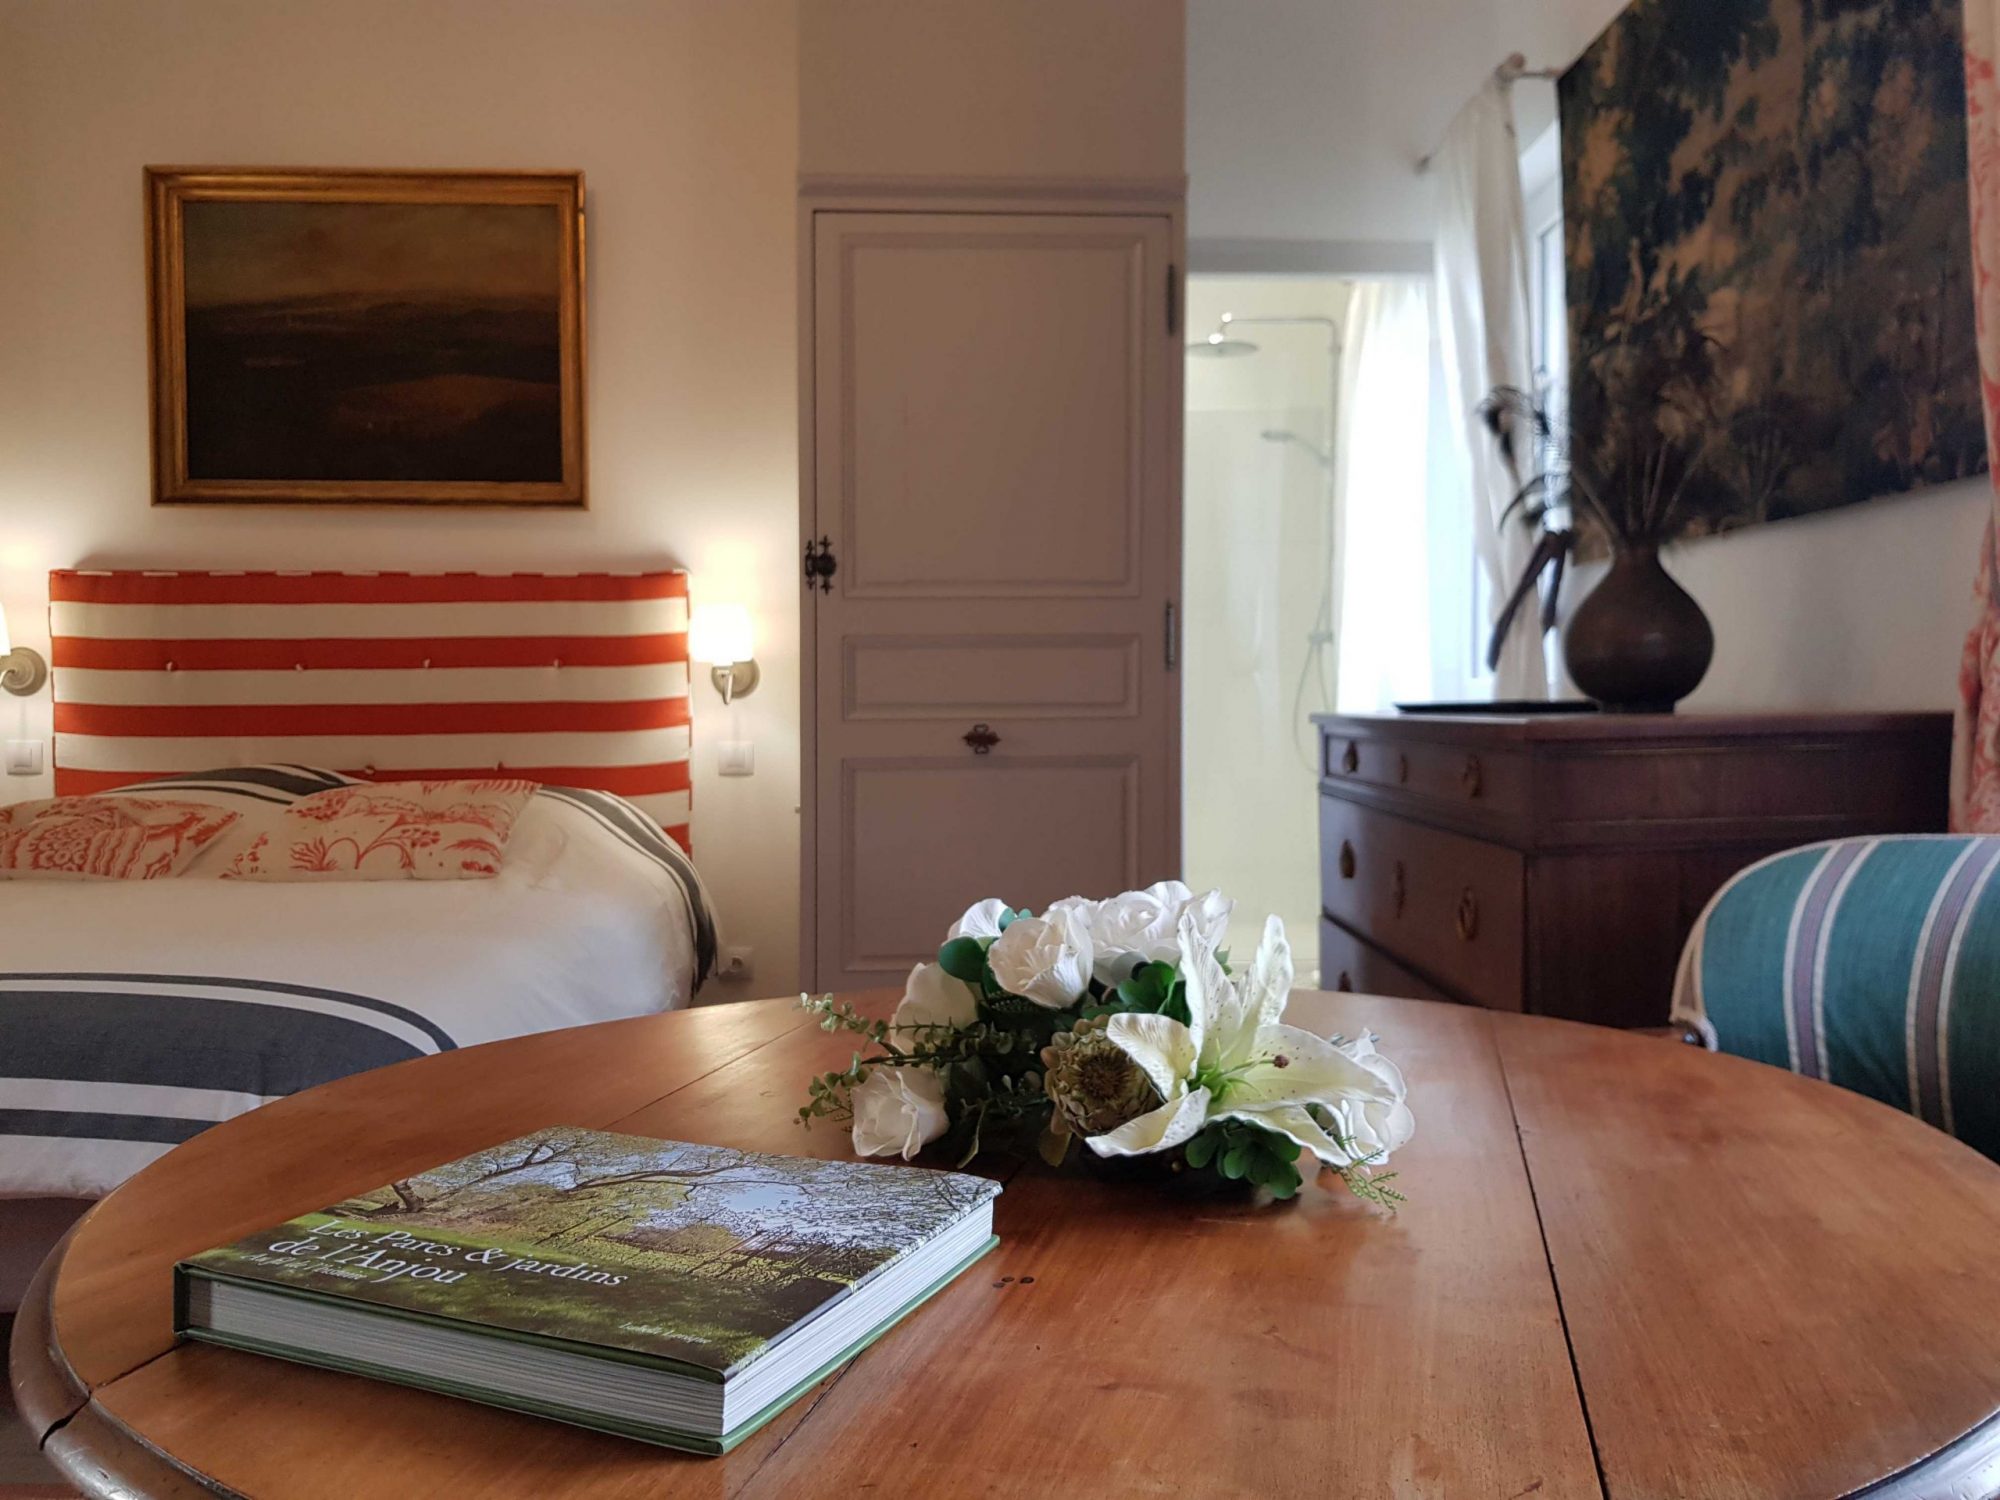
(735, 758)
(24, 757)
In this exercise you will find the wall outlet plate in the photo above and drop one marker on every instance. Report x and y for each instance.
(736, 965)
(24, 757)
(735, 758)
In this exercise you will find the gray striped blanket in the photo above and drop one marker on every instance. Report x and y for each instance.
(134, 1014)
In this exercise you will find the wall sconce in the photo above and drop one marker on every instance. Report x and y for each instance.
(720, 634)
(22, 672)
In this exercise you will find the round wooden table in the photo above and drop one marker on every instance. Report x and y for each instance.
(1626, 1268)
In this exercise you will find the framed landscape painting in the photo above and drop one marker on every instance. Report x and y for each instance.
(345, 337)
(1769, 249)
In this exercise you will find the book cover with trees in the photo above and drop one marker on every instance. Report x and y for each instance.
(696, 1254)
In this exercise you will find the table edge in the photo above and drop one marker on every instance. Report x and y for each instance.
(107, 1460)
(91, 1449)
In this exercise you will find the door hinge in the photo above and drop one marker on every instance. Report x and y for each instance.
(820, 565)
(1173, 300)
(1172, 642)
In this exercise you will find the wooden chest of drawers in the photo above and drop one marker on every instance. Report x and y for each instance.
(1556, 864)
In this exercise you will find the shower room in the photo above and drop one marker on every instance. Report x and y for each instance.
(1311, 495)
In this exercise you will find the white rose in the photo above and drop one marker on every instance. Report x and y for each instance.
(898, 1111)
(979, 921)
(1377, 1129)
(1139, 926)
(933, 998)
(1082, 908)
(1211, 915)
(1045, 959)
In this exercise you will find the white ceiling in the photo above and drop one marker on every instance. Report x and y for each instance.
(1306, 117)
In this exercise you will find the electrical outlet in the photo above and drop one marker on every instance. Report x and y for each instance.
(736, 965)
(24, 757)
(735, 758)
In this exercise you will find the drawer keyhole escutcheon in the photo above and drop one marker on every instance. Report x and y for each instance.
(981, 738)
(1346, 860)
(1344, 984)
(1399, 886)
(1350, 758)
(1473, 777)
(1468, 916)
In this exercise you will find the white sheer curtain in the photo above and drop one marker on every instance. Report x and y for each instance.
(1381, 454)
(1483, 323)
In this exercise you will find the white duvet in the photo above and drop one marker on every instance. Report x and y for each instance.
(581, 925)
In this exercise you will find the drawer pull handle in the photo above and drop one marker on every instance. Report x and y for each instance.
(1346, 860)
(1473, 777)
(1403, 768)
(1399, 886)
(1350, 758)
(981, 738)
(1468, 916)
(1344, 984)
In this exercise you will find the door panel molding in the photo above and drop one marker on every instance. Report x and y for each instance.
(1052, 676)
(910, 899)
(978, 284)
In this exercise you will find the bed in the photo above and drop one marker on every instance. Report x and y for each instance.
(134, 1014)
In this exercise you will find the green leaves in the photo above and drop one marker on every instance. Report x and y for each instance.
(1238, 1151)
(964, 958)
(839, 1015)
(1154, 988)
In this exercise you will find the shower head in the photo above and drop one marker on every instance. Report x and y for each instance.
(1219, 345)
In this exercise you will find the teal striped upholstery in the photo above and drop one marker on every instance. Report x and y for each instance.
(1871, 963)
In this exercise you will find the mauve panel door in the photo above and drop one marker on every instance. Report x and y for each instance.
(995, 429)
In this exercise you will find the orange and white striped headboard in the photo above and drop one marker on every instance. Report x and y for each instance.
(578, 680)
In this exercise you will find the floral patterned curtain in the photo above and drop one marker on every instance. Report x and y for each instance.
(1975, 802)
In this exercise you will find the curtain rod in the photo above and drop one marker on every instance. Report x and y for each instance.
(1513, 68)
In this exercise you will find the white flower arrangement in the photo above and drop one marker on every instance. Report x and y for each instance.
(1119, 1022)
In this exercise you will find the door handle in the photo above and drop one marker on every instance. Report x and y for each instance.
(981, 738)
(1468, 915)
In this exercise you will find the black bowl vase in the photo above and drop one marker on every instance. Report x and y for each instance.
(1638, 643)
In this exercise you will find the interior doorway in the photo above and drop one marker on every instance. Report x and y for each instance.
(1261, 589)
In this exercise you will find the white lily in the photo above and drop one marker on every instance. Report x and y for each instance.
(1234, 1059)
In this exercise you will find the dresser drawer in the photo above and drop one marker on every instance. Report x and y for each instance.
(1443, 903)
(1351, 966)
(1441, 775)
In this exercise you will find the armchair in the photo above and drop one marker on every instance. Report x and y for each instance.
(1870, 963)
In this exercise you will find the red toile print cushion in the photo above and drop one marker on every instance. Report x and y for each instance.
(410, 830)
(105, 838)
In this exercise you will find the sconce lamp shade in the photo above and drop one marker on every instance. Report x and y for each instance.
(721, 634)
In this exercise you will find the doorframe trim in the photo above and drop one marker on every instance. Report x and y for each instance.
(862, 192)
(818, 194)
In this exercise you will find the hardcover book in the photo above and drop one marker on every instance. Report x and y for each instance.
(677, 1293)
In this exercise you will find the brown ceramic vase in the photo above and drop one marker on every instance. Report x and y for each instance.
(1638, 644)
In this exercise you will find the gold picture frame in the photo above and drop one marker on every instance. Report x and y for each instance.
(333, 337)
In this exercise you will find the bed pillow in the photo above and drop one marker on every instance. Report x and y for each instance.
(105, 838)
(411, 830)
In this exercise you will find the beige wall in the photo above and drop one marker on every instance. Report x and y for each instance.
(682, 113)
(687, 117)
(993, 88)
